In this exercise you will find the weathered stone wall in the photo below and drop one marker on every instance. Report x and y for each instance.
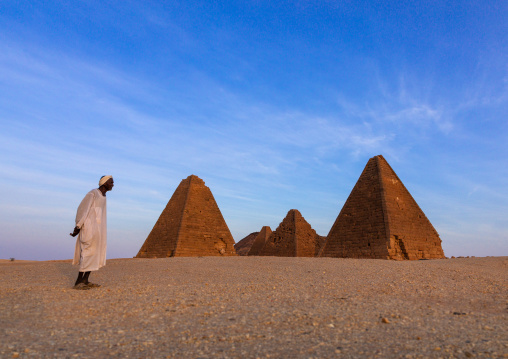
(191, 225)
(380, 219)
(410, 233)
(360, 230)
(161, 242)
(308, 242)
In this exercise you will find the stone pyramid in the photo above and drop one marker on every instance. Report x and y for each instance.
(259, 241)
(190, 225)
(380, 219)
(242, 247)
(294, 237)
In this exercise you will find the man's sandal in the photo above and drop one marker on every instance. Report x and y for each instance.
(81, 286)
(93, 285)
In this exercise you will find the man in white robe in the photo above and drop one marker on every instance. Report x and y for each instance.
(90, 252)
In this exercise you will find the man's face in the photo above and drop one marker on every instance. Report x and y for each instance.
(109, 184)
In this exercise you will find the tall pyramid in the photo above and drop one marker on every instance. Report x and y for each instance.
(259, 241)
(190, 225)
(294, 237)
(380, 219)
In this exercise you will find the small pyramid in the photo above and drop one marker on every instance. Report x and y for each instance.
(294, 237)
(259, 241)
(190, 225)
(243, 246)
(380, 219)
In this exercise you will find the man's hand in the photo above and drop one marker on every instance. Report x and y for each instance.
(75, 233)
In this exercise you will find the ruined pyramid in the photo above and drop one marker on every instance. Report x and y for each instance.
(190, 225)
(259, 241)
(380, 219)
(242, 247)
(294, 237)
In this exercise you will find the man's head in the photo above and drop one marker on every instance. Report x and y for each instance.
(106, 182)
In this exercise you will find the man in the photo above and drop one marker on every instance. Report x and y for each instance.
(90, 251)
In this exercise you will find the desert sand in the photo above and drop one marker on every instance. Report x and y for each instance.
(257, 307)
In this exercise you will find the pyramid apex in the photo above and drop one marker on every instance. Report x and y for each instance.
(380, 157)
(194, 178)
(295, 211)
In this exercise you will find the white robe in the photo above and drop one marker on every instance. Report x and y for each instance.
(90, 251)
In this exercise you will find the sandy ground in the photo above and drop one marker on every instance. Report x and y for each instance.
(257, 307)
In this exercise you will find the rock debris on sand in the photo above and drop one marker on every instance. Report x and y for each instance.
(257, 307)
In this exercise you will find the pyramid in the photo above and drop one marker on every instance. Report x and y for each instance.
(190, 225)
(259, 241)
(243, 246)
(294, 237)
(380, 219)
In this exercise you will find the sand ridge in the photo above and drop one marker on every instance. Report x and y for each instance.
(257, 307)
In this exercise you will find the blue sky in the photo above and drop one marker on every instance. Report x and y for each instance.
(275, 105)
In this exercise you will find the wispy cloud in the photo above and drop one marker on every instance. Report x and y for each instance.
(65, 120)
